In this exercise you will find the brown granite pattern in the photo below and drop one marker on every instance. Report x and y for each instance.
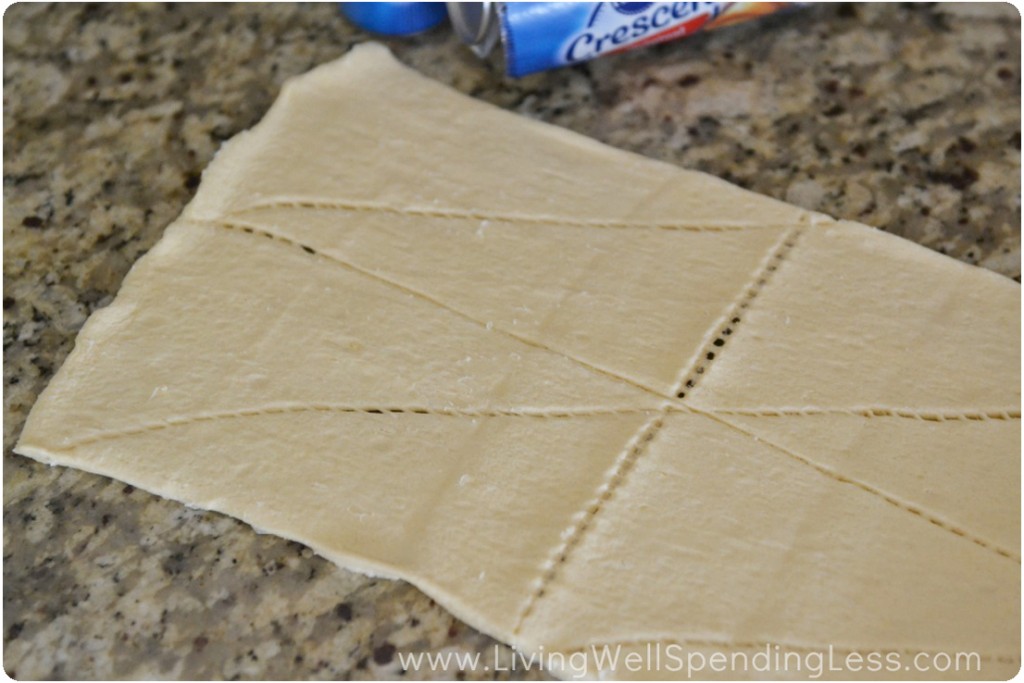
(904, 117)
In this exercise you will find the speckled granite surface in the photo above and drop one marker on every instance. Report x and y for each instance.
(902, 117)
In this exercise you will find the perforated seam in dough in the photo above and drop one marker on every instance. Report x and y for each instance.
(647, 433)
(875, 411)
(642, 439)
(620, 469)
(496, 218)
(762, 644)
(891, 500)
(731, 319)
(541, 414)
(239, 226)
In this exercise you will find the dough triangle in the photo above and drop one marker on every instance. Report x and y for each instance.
(858, 318)
(941, 468)
(635, 301)
(407, 142)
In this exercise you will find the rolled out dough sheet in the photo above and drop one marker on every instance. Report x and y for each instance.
(579, 397)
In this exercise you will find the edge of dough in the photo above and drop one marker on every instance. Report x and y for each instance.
(370, 56)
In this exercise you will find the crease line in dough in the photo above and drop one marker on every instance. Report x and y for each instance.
(626, 461)
(892, 500)
(874, 411)
(345, 205)
(725, 325)
(240, 226)
(531, 413)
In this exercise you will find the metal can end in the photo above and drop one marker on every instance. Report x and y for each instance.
(476, 24)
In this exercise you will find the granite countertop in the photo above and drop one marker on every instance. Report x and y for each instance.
(903, 117)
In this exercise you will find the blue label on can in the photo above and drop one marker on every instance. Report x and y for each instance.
(544, 35)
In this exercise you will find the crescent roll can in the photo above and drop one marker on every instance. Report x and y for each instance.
(546, 35)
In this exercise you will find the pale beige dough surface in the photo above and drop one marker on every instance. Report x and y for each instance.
(591, 293)
(920, 331)
(707, 515)
(577, 396)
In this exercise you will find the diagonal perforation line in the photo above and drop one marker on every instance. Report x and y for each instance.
(624, 464)
(433, 212)
(926, 414)
(240, 226)
(890, 499)
(468, 413)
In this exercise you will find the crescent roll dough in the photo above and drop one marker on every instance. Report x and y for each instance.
(579, 397)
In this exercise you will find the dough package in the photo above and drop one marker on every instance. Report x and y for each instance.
(583, 399)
